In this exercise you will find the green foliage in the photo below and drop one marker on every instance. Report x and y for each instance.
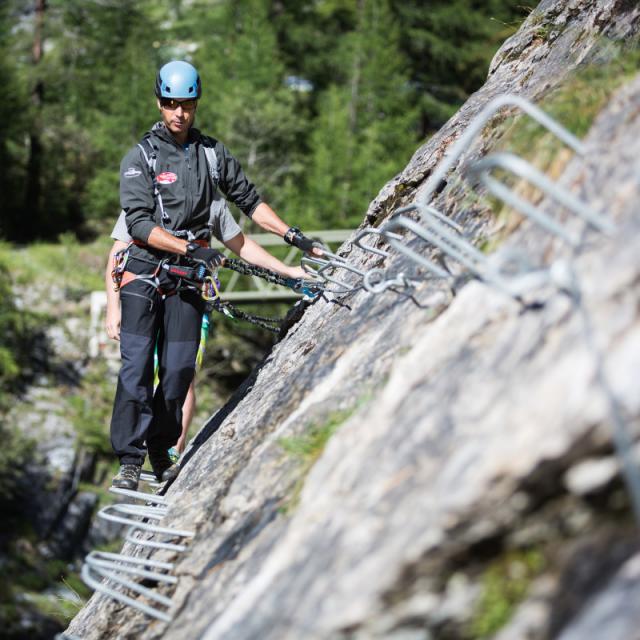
(75, 267)
(15, 454)
(90, 409)
(504, 585)
(450, 44)
(322, 102)
(578, 101)
(574, 104)
(307, 448)
(366, 125)
(18, 328)
(28, 591)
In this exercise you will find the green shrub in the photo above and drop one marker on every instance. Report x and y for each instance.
(307, 448)
(505, 584)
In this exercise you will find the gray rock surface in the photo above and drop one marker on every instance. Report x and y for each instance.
(613, 613)
(459, 425)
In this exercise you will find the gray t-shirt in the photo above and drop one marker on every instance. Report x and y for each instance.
(221, 223)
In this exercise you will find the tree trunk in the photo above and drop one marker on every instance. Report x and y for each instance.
(33, 199)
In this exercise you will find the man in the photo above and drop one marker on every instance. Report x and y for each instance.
(112, 327)
(167, 188)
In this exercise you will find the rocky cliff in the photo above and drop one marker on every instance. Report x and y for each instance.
(442, 466)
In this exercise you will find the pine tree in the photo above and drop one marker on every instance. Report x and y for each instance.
(245, 101)
(364, 132)
(450, 44)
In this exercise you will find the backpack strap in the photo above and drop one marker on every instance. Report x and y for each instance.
(151, 158)
(212, 161)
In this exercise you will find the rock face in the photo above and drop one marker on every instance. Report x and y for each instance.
(470, 488)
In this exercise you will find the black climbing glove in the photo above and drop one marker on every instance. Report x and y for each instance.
(296, 238)
(211, 257)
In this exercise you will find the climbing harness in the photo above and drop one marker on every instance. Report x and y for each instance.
(120, 259)
(198, 277)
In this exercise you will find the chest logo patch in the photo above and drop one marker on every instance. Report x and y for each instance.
(166, 177)
(132, 172)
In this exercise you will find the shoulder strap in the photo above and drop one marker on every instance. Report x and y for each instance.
(212, 160)
(150, 159)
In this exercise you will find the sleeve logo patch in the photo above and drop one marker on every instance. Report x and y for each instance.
(132, 172)
(166, 177)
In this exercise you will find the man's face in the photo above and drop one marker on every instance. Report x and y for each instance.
(178, 115)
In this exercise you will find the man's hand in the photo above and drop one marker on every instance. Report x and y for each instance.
(297, 273)
(211, 257)
(296, 238)
(112, 322)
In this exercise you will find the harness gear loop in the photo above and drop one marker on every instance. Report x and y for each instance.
(120, 259)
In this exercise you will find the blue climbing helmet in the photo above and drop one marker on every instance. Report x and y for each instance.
(178, 79)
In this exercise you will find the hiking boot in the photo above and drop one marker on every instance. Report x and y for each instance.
(159, 459)
(128, 477)
(171, 473)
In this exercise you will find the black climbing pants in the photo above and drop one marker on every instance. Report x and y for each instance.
(142, 418)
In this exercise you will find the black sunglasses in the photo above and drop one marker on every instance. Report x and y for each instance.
(172, 104)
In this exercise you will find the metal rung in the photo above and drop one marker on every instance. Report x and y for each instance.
(95, 561)
(520, 167)
(427, 212)
(306, 263)
(150, 478)
(430, 266)
(384, 283)
(144, 511)
(477, 124)
(106, 515)
(152, 544)
(367, 247)
(100, 587)
(452, 244)
(140, 495)
(120, 557)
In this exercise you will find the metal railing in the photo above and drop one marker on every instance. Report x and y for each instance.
(446, 237)
(114, 574)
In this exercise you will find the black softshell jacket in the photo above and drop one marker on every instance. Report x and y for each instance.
(185, 184)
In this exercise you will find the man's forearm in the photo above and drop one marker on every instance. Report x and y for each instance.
(163, 240)
(253, 253)
(267, 218)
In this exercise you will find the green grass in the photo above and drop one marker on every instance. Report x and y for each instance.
(575, 104)
(31, 577)
(306, 448)
(60, 608)
(76, 267)
(504, 585)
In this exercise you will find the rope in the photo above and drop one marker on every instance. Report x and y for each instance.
(245, 269)
(231, 311)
